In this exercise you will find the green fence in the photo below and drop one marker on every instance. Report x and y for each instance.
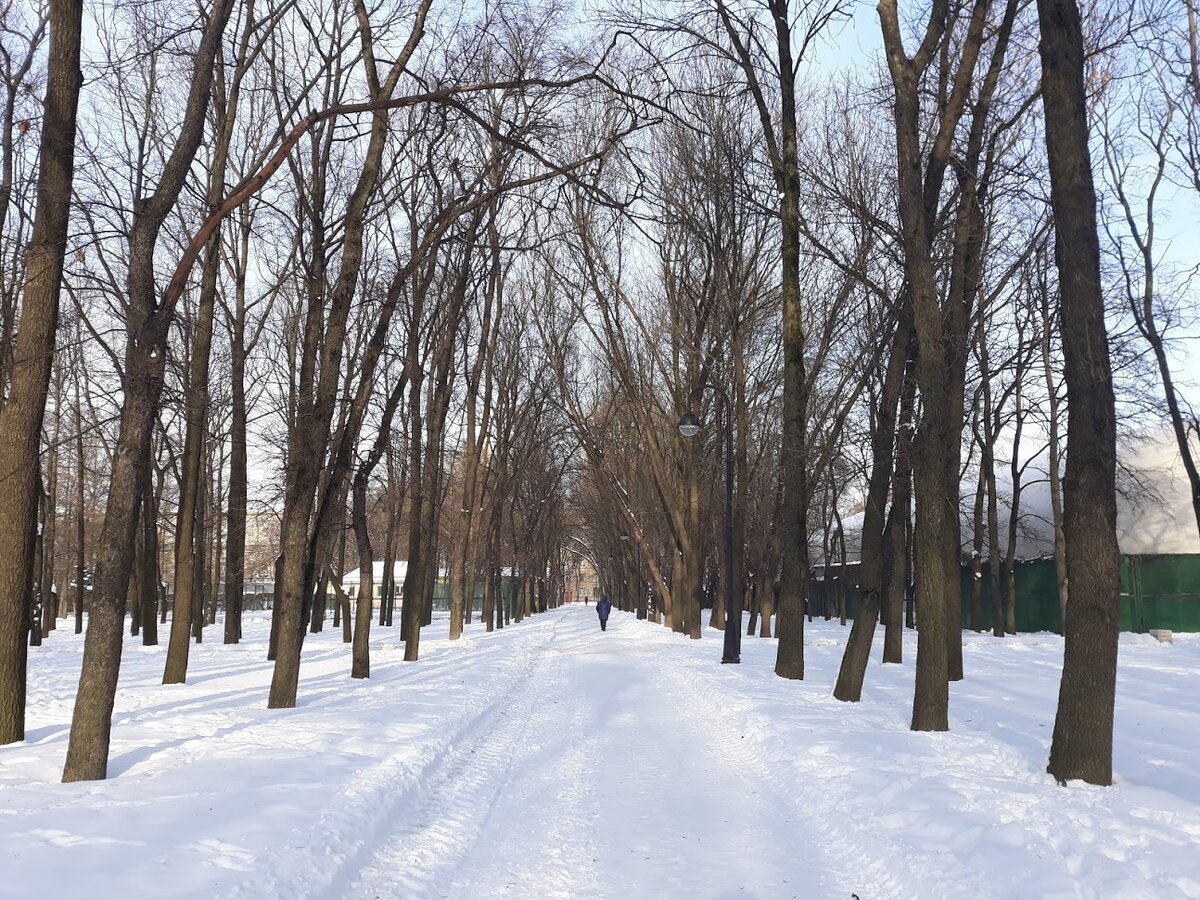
(441, 592)
(1157, 591)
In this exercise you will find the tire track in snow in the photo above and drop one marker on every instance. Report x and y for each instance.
(425, 832)
(321, 858)
(556, 855)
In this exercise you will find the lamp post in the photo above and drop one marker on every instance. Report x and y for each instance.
(689, 426)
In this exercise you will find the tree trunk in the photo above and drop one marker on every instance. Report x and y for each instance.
(25, 404)
(411, 612)
(80, 512)
(387, 604)
(896, 555)
(147, 328)
(1053, 462)
(320, 380)
(46, 575)
(148, 602)
(200, 558)
(364, 612)
(33, 590)
(872, 554)
(1083, 727)
(977, 550)
(489, 598)
(1010, 559)
(793, 526)
(235, 530)
(190, 527)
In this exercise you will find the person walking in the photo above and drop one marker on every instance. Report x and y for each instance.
(603, 608)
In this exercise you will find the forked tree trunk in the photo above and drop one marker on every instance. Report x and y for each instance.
(871, 577)
(360, 666)
(324, 339)
(147, 328)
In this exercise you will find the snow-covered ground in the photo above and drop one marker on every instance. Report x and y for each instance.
(553, 760)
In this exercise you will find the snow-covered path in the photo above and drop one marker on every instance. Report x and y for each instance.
(594, 778)
(553, 760)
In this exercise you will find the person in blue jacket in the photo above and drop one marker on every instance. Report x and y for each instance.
(603, 608)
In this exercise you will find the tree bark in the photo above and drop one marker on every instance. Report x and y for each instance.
(1083, 726)
(235, 536)
(1053, 460)
(24, 405)
(871, 577)
(896, 556)
(145, 357)
(49, 593)
(324, 338)
(148, 581)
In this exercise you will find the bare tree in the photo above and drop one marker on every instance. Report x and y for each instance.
(24, 400)
(1082, 743)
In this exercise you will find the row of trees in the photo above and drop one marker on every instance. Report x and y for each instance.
(939, 324)
(340, 282)
(337, 297)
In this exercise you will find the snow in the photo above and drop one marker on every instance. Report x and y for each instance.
(552, 760)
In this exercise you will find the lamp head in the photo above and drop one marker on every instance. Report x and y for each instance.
(689, 424)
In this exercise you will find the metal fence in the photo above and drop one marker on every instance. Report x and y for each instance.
(1157, 591)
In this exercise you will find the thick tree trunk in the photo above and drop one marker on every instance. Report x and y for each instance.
(320, 380)
(1083, 727)
(793, 526)
(24, 405)
(145, 357)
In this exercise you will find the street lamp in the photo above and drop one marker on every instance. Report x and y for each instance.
(689, 426)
